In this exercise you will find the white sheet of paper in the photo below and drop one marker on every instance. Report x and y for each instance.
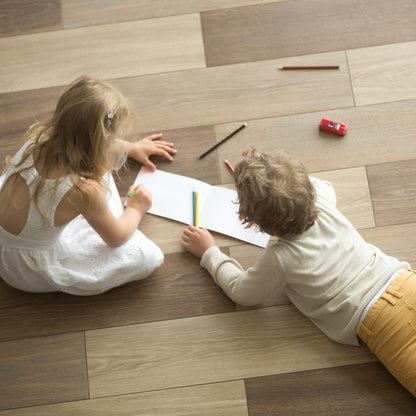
(218, 207)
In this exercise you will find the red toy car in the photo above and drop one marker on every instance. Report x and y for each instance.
(333, 127)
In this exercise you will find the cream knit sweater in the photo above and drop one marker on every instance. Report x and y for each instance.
(329, 273)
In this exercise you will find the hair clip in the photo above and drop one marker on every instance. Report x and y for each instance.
(110, 113)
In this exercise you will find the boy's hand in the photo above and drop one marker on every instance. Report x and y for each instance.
(197, 240)
(151, 145)
(141, 200)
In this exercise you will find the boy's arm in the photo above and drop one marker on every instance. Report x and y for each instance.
(245, 287)
(248, 287)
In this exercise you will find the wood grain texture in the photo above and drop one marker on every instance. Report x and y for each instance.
(25, 16)
(208, 349)
(20, 110)
(293, 28)
(42, 370)
(188, 143)
(393, 198)
(24, 108)
(177, 329)
(220, 399)
(56, 58)
(376, 134)
(242, 92)
(167, 234)
(396, 240)
(353, 194)
(92, 12)
(376, 79)
(179, 288)
(364, 389)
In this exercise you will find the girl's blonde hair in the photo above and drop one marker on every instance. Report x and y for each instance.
(275, 193)
(79, 138)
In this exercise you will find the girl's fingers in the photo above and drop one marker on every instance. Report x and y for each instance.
(164, 153)
(168, 147)
(154, 136)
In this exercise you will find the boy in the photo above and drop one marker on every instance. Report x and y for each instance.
(345, 286)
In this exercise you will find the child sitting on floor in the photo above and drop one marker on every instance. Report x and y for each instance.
(62, 223)
(347, 287)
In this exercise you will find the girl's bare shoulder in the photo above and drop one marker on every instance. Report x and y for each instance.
(89, 193)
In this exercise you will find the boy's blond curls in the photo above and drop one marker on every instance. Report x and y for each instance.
(275, 193)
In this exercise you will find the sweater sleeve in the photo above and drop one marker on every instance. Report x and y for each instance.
(245, 287)
(325, 190)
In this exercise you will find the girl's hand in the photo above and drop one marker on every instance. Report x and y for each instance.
(151, 145)
(141, 200)
(197, 240)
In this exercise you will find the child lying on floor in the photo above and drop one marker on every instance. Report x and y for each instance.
(348, 288)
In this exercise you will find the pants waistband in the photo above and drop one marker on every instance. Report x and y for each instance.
(390, 296)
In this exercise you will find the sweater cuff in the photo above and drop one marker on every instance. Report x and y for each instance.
(209, 255)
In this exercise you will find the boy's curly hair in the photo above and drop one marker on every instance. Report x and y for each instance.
(275, 193)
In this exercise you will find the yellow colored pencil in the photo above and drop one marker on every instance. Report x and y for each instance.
(197, 209)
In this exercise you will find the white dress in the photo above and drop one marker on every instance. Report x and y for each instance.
(73, 258)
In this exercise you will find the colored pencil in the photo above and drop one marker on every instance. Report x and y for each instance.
(223, 140)
(229, 165)
(195, 208)
(311, 67)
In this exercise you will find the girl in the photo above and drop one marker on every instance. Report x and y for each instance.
(347, 287)
(62, 223)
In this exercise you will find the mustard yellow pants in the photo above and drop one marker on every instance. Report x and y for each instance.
(389, 329)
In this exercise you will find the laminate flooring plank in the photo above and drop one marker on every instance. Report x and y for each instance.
(42, 370)
(188, 143)
(107, 51)
(220, 399)
(167, 234)
(376, 134)
(20, 110)
(291, 28)
(383, 73)
(209, 349)
(395, 240)
(393, 197)
(179, 288)
(202, 97)
(25, 16)
(353, 195)
(363, 389)
(92, 12)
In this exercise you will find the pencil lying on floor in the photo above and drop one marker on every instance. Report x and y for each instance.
(223, 140)
(311, 67)
(229, 165)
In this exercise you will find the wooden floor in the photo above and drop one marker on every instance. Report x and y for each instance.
(195, 70)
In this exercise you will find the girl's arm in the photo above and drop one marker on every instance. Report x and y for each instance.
(114, 231)
(141, 150)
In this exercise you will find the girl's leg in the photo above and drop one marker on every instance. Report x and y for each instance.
(389, 329)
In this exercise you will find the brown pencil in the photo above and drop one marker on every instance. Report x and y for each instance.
(311, 67)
